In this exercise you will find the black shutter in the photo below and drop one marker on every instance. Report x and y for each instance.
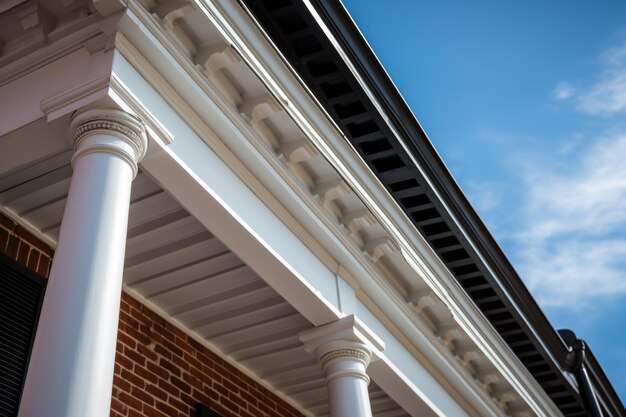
(21, 295)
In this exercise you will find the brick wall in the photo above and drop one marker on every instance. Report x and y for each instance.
(159, 370)
(23, 247)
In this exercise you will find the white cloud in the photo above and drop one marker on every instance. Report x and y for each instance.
(607, 95)
(563, 91)
(616, 56)
(573, 248)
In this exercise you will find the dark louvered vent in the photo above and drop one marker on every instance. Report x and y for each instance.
(21, 294)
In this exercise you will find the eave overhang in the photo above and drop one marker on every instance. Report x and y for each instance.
(326, 49)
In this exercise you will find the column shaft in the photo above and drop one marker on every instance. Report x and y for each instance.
(71, 367)
(346, 383)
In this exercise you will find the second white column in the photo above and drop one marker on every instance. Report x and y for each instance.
(344, 349)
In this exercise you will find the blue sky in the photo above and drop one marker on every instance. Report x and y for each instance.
(526, 103)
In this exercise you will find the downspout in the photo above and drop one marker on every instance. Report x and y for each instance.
(575, 364)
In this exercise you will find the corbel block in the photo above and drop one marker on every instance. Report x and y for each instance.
(298, 151)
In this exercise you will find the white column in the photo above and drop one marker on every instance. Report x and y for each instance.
(344, 349)
(71, 366)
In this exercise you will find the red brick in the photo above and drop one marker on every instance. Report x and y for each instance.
(244, 413)
(130, 401)
(249, 398)
(163, 352)
(133, 378)
(7, 223)
(149, 411)
(180, 384)
(146, 374)
(12, 247)
(131, 301)
(33, 260)
(256, 412)
(124, 361)
(44, 266)
(118, 406)
(136, 334)
(4, 237)
(156, 392)
(191, 399)
(128, 320)
(211, 373)
(134, 356)
(189, 358)
(22, 253)
(147, 352)
(121, 383)
(169, 378)
(179, 405)
(142, 395)
(197, 345)
(220, 409)
(264, 408)
(175, 330)
(181, 363)
(230, 386)
(172, 348)
(135, 413)
(171, 389)
(169, 366)
(221, 389)
(205, 397)
(237, 400)
(125, 339)
(193, 381)
(158, 370)
(167, 409)
(33, 241)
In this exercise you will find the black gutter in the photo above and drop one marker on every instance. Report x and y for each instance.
(582, 363)
(575, 364)
(465, 245)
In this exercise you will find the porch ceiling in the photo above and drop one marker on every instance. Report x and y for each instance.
(178, 266)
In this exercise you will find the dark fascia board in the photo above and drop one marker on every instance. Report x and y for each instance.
(360, 54)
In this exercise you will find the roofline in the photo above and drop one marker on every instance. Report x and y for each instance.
(416, 158)
(337, 18)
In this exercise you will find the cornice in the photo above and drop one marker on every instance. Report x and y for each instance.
(90, 31)
(430, 267)
(364, 183)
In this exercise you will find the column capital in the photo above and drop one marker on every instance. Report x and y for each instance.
(346, 338)
(108, 130)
